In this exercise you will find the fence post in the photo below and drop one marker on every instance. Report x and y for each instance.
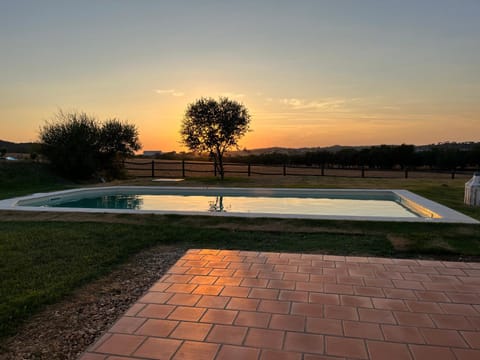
(453, 174)
(406, 173)
(183, 168)
(215, 168)
(363, 171)
(284, 170)
(153, 168)
(323, 169)
(248, 170)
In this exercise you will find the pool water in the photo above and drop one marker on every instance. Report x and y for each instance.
(338, 204)
(243, 204)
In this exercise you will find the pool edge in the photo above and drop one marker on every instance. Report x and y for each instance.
(444, 213)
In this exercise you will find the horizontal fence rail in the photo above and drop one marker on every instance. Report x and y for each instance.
(184, 168)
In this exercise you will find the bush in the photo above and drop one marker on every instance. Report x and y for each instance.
(79, 146)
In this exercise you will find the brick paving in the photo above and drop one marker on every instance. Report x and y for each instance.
(222, 304)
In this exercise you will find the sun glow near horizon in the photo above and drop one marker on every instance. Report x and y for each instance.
(288, 122)
(311, 73)
(296, 122)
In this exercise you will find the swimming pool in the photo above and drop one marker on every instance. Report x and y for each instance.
(351, 204)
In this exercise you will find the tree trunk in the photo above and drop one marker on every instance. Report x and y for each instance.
(220, 164)
(220, 167)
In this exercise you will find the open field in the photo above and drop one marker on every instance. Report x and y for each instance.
(174, 168)
(26, 177)
(46, 256)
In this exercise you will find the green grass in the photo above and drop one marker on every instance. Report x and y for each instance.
(44, 261)
(19, 178)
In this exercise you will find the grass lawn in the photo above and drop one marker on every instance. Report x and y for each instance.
(44, 258)
(19, 178)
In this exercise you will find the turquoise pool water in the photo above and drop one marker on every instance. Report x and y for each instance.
(333, 204)
(326, 205)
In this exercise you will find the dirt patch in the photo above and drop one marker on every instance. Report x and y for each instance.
(466, 230)
(64, 330)
(442, 244)
(399, 243)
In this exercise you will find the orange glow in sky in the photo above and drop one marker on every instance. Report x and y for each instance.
(311, 73)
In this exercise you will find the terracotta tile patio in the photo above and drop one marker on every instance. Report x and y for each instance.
(219, 304)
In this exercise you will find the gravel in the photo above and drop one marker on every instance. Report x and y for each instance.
(66, 329)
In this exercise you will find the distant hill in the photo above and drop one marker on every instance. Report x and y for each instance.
(291, 151)
(464, 146)
(19, 148)
(30, 147)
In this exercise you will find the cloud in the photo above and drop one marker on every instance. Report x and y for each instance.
(172, 92)
(304, 104)
(232, 95)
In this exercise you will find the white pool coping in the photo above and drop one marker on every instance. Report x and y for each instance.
(431, 211)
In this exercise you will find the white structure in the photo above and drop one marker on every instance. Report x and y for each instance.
(472, 190)
(152, 152)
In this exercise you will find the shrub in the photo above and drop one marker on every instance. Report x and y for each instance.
(79, 146)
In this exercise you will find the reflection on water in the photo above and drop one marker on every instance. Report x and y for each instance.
(243, 204)
(132, 202)
(217, 205)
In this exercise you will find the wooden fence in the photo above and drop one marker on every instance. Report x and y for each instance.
(184, 169)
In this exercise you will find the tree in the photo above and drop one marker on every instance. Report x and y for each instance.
(71, 144)
(474, 155)
(79, 146)
(118, 141)
(212, 127)
(404, 155)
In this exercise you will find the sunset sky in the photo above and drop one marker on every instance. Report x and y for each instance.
(311, 72)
